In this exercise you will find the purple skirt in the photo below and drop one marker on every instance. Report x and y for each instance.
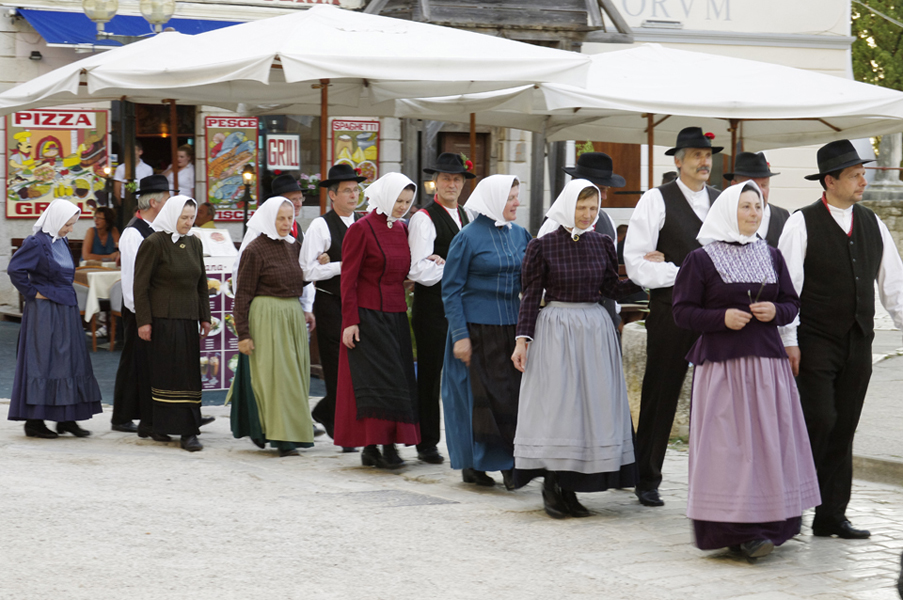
(54, 379)
(750, 459)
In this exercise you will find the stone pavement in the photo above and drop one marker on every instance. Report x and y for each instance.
(113, 516)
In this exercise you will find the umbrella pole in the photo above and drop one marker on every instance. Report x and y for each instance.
(174, 142)
(473, 147)
(650, 142)
(324, 132)
(734, 126)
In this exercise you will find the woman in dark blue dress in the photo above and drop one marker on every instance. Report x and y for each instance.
(54, 380)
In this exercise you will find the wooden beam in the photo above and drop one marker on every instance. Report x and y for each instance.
(650, 142)
(324, 138)
(174, 142)
(473, 147)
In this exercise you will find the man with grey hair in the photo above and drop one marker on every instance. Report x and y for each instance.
(662, 232)
(131, 396)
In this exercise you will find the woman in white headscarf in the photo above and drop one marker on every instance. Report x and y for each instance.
(573, 426)
(751, 469)
(54, 379)
(481, 285)
(270, 391)
(376, 401)
(170, 301)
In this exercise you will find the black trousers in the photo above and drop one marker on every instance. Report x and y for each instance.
(430, 330)
(833, 380)
(328, 312)
(131, 393)
(666, 346)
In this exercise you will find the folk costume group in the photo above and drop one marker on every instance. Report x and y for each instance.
(517, 336)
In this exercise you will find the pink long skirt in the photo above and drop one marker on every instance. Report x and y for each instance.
(750, 459)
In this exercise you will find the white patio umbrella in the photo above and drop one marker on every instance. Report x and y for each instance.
(313, 59)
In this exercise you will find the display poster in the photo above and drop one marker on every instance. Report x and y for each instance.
(55, 154)
(231, 144)
(356, 142)
(219, 350)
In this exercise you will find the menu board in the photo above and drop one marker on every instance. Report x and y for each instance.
(219, 351)
(355, 142)
(231, 144)
(54, 154)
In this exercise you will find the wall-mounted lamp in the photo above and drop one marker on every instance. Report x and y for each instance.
(35, 55)
(429, 186)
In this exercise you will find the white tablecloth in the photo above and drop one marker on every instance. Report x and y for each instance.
(99, 284)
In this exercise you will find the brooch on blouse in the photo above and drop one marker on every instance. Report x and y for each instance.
(575, 237)
(389, 224)
(181, 245)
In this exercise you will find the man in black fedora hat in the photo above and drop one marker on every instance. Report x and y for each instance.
(835, 250)
(430, 233)
(321, 260)
(287, 187)
(749, 165)
(661, 233)
(131, 393)
(596, 167)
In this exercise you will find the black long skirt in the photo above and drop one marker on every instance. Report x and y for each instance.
(495, 385)
(175, 376)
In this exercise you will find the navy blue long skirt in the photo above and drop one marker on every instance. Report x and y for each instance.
(54, 379)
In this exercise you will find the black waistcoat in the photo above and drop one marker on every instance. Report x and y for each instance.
(604, 226)
(142, 226)
(677, 237)
(337, 229)
(779, 216)
(839, 272)
(446, 229)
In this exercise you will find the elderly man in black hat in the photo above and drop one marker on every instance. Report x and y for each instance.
(287, 187)
(662, 232)
(321, 260)
(597, 168)
(429, 235)
(835, 251)
(749, 165)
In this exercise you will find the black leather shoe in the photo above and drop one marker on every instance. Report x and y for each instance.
(127, 427)
(552, 501)
(73, 428)
(649, 498)
(289, 452)
(573, 506)
(349, 449)
(430, 455)
(390, 454)
(206, 421)
(147, 432)
(477, 477)
(844, 529)
(371, 457)
(191, 443)
(319, 430)
(508, 479)
(756, 548)
(37, 428)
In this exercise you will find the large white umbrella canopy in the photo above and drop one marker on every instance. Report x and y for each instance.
(774, 106)
(369, 59)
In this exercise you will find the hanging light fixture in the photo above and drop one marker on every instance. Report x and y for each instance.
(157, 12)
(100, 11)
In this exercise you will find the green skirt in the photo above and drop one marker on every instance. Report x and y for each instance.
(269, 394)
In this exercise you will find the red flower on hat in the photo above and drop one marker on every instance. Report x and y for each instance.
(468, 165)
(357, 170)
(277, 172)
(710, 135)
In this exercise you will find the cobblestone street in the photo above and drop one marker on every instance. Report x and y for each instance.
(114, 517)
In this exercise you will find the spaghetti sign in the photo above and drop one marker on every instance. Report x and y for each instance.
(55, 154)
(231, 144)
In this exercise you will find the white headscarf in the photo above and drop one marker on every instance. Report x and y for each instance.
(490, 197)
(263, 222)
(382, 194)
(565, 206)
(721, 224)
(168, 217)
(55, 218)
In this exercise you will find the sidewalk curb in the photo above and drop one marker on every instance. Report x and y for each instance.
(878, 470)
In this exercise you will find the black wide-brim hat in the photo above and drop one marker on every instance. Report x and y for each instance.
(153, 184)
(837, 156)
(692, 137)
(752, 165)
(597, 167)
(341, 172)
(449, 162)
(284, 184)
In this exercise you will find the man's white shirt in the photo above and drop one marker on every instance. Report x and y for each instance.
(317, 240)
(421, 239)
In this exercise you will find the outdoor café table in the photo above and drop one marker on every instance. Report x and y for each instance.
(99, 282)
